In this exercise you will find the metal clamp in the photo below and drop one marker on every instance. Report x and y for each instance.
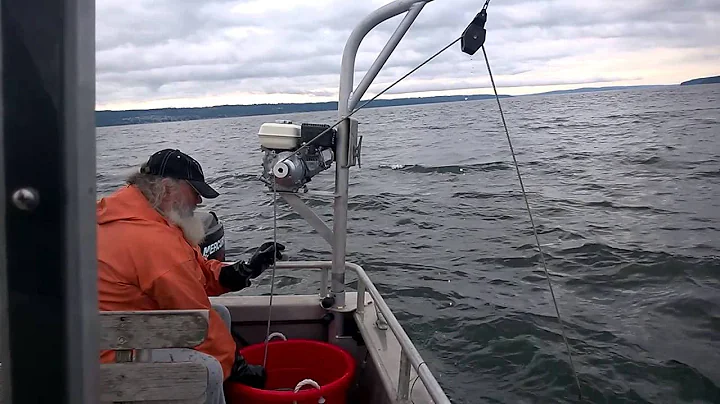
(358, 151)
(381, 323)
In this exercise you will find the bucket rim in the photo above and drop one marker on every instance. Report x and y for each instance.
(346, 377)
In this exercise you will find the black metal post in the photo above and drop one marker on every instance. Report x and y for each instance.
(48, 201)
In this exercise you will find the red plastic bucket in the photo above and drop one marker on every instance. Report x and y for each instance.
(291, 362)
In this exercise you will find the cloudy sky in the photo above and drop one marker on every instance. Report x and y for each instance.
(175, 53)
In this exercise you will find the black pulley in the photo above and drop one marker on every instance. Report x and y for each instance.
(474, 35)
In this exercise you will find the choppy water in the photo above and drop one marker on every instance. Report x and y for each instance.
(625, 189)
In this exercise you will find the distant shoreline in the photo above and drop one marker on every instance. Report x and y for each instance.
(137, 117)
(702, 80)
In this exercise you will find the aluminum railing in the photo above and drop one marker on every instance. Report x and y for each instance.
(409, 355)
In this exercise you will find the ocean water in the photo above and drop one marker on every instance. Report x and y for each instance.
(625, 191)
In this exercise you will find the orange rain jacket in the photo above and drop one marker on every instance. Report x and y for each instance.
(145, 263)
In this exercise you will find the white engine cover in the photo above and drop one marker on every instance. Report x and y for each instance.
(279, 136)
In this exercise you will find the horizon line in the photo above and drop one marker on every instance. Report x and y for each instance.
(388, 99)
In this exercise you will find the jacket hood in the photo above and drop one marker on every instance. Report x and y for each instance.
(128, 203)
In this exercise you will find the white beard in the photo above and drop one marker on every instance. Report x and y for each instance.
(192, 226)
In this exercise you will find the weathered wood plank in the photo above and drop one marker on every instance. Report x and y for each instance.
(194, 401)
(193, 380)
(153, 381)
(152, 329)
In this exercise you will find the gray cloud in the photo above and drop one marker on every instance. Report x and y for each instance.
(164, 49)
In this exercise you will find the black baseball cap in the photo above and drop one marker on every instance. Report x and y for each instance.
(173, 163)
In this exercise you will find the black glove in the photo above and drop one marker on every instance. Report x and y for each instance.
(264, 256)
(251, 375)
(237, 276)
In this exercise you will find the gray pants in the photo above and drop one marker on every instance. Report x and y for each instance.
(215, 393)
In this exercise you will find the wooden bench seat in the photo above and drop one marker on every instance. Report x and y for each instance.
(132, 379)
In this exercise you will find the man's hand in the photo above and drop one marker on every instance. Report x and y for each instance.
(237, 276)
(264, 256)
(244, 373)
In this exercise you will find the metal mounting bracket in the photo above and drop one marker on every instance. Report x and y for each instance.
(303, 210)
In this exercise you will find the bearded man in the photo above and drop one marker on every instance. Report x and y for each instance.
(149, 259)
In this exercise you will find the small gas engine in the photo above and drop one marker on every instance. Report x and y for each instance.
(289, 156)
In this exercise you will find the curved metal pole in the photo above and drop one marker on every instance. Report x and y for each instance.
(342, 152)
(347, 67)
(384, 54)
